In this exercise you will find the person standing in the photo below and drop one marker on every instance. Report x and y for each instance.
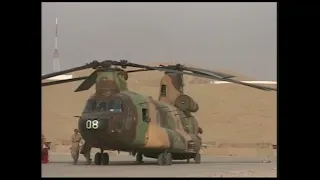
(44, 151)
(75, 146)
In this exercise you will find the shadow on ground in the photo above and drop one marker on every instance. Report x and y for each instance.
(130, 163)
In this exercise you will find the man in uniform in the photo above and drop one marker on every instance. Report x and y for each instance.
(75, 146)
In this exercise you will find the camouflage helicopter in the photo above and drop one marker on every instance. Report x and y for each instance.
(115, 118)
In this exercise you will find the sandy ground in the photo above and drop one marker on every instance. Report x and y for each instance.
(124, 166)
(228, 113)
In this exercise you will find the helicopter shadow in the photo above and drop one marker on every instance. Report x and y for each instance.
(147, 163)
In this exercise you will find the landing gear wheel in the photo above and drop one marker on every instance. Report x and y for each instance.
(165, 159)
(97, 159)
(139, 158)
(161, 159)
(105, 159)
(197, 158)
(188, 160)
(168, 159)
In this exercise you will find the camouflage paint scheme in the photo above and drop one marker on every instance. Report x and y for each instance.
(161, 127)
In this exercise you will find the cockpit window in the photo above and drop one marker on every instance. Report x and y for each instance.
(113, 105)
(101, 106)
(90, 106)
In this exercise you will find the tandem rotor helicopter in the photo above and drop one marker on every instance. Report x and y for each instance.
(116, 118)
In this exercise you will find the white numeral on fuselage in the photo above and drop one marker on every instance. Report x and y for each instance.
(92, 124)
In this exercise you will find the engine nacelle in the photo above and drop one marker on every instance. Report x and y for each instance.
(186, 103)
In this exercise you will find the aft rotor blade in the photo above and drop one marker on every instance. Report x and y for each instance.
(250, 85)
(214, 77)
(209, 72)
(237, 82)
(175, 71)
(88, 83)
(199, 71)
(64, 81)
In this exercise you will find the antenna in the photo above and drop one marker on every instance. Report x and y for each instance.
(56, 60)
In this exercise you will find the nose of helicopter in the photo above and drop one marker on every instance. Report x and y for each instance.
(102, 130)
(107, 122)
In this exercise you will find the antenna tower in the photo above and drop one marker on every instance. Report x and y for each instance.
(56, 60)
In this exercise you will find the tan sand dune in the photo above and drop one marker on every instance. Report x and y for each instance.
(228, 112)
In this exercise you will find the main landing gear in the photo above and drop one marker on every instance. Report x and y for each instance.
(165, 159)
(197, 158)
(139, 158)
(101, 158)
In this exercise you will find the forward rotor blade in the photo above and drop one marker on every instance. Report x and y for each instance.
(93, 64)
(139, 70)
(63, 81)
(88, 83)
(91, 80)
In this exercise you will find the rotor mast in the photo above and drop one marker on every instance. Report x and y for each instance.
(109, 81)
(171, 86)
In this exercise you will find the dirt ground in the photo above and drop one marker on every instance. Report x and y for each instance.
(124, 166)
(228, 113)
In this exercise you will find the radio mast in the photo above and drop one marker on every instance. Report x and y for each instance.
(56, 60)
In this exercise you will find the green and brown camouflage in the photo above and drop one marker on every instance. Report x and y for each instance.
(143, 125)
(110, 81)
(171, 92)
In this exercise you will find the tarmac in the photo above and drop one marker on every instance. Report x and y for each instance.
(124, 165)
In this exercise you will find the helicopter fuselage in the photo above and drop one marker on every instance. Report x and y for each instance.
(127, 121)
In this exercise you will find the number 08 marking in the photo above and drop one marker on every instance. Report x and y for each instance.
(92, 124)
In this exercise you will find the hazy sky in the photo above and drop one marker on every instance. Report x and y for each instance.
(241, 37)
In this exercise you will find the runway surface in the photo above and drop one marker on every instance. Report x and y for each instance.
(124, 166)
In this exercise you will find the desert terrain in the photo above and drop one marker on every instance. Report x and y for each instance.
(229, 113)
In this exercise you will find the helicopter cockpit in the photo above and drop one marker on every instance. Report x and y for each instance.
(110, 105)
(103, 118)
(106, 113)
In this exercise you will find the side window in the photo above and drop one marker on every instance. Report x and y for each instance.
(163, 90)
(145, 115)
